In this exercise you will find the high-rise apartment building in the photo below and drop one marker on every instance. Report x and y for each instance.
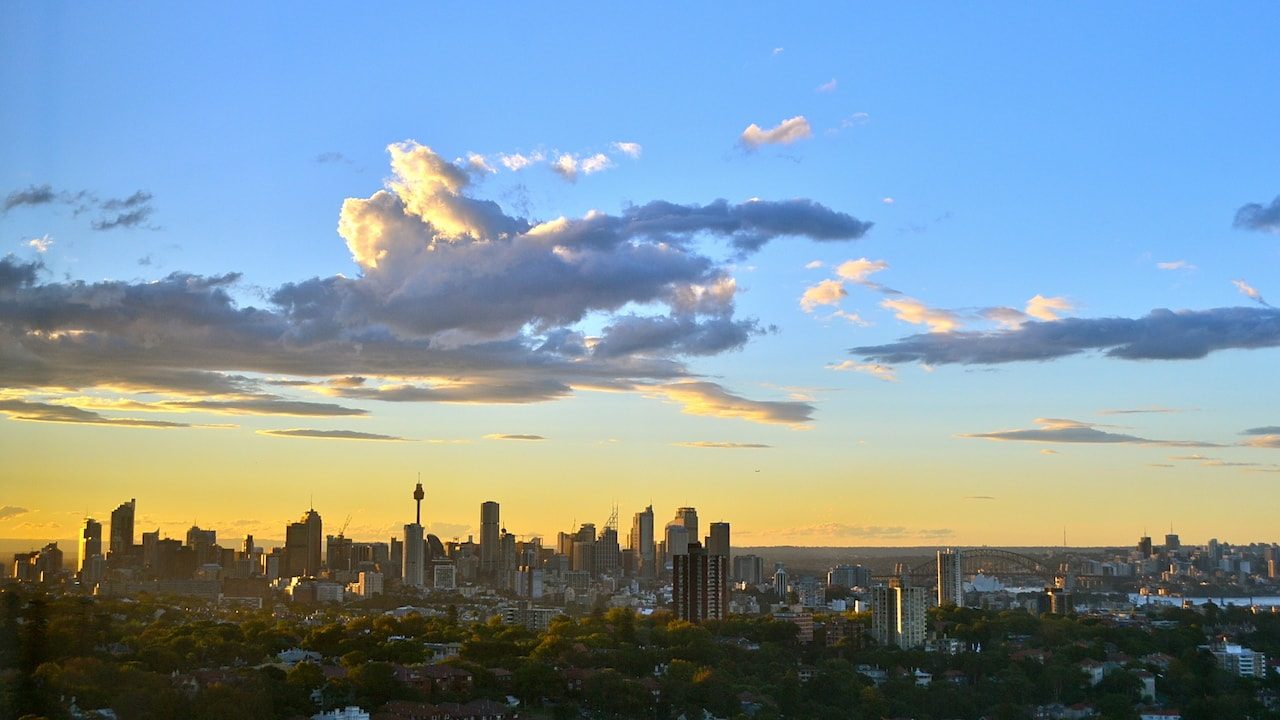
(1144, 546)
(698, 585)
(849, 576)
(688, 517)
(490, 539)
(898, 616)
(950, 579)
(122, 528)
(642, 543)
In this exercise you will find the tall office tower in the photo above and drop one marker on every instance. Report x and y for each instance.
(698, 585)
(248, 545)
(315, 536)
(1172, 542)
(337, 552)
(718, 540)
(677, 542)
(898, 616)
(413, 571)
(122, 528)
(1144, 546)
(950, 579)
(688, 517)
(642, 544)
(849, 576)
(608, 555)
(748, 569)
(780, 581)
(90, 542)
(490, 536)
(149, 543)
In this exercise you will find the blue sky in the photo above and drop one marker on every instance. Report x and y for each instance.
(1002, 153)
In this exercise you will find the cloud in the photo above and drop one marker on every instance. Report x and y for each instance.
(1175, 265)
(786, 132)
(826, 87)
(979, 497)
(478, 165)
(709, 399)
(1249, 292)
(503, 436)
(50, 413)
(721, 445)
(1263, 441)
(813, 265)
(518, 161)
(1056, 430)
(330, 435)
(630, 149)
(827, 292)
(1047, 308)
(454, 301)
(917, 313)
(1047, 451)
(1267, 430)
(1148, 409)
(859, 270)
(883, 372)
(1263, 218)
(41, 244)
(568, 166)
(12, 511)
(31, 196)
(129, 212)
(1160, 335)
(778, 51)
(325, 158)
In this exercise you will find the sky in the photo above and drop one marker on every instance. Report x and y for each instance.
(870, 274)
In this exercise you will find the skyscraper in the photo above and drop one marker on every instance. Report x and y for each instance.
(950, 579)
(414, 567)
(688, 517)
(90, 542)
(642, 544)
(718, 540)
(698, 582)
(490, 537)
(302, 541)
(122, 528)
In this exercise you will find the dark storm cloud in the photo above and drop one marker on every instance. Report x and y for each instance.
(748, 225)
(1160, 335)
(632, 334)
(1263, 218)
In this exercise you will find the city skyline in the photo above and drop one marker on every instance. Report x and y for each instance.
(903, 291)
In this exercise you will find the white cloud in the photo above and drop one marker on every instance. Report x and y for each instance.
(917, 313)
(786, 132)
(630, 149)
(813, 265)
(778, 51)
(1047, 308)
(888, 200)
(40, 244)
(828, 86)
(859, 270)
(595, 163)
(1248, 291)
(1175, 265)
(883, 372)
(827, 292)
(477, 164)
(517, 161)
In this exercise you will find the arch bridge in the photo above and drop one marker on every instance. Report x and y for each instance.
(987, 561)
